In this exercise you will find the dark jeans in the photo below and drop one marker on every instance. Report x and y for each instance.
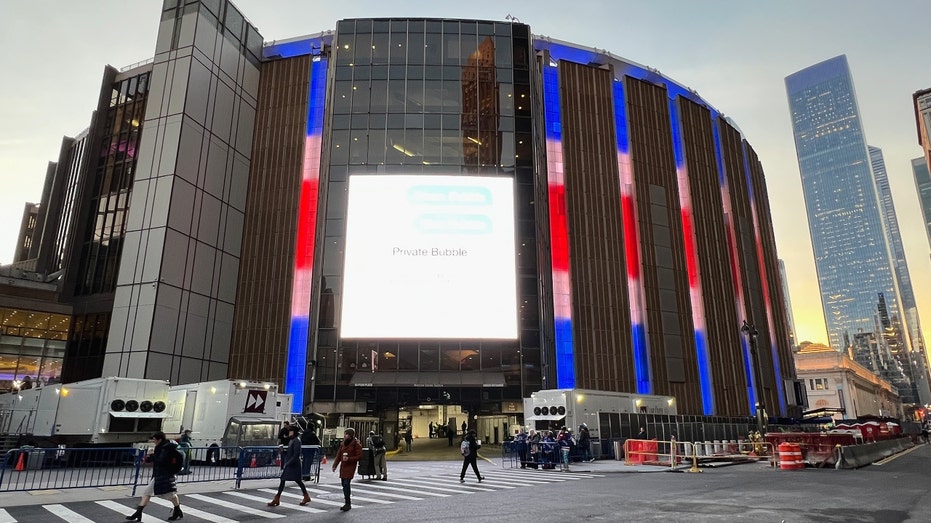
(466, 461)
(299, 484)
(347, 489)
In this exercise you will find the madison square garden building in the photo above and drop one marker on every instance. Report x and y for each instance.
(439, 212)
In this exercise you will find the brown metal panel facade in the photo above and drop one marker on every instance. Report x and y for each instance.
(263, 298)
(601, 309)
(666, 287)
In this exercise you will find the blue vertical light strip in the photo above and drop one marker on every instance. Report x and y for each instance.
(559, 235)
(643, 380)
(295, 378)
(703, 360)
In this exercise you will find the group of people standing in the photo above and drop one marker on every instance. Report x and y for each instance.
(548, 447)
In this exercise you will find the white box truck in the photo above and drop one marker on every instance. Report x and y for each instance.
(555, 408)
(228, 413)
(109, 411)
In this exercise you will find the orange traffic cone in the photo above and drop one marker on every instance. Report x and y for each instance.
(323, 461)
(253, 464)
(21, 463)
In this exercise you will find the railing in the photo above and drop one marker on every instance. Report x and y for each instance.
(673, 453)
(66, 468)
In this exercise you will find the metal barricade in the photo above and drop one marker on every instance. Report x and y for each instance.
(207, 464)
(64, 468)
(266, 462)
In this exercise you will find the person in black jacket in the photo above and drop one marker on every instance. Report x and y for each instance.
(469, 449)
(291, 469)
(163, 481)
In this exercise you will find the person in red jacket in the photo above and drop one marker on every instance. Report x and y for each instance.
(349, 453)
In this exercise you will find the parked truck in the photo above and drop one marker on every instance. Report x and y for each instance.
(97, 412)
(555, 408)
(227, 414)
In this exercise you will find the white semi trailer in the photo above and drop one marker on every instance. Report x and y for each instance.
(97, 412)
(555, 408)
(228, 413)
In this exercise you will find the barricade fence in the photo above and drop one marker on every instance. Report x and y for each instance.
(673, 453)
(543, 455)
(30, 468)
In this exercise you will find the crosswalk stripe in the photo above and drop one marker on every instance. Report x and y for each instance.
(368, 489)
(421, 484)
(360, 498)
(383, 486)
(116, 507)
(265, 500)
(5, 517)
(66, 514)
(236, 506)
(469, 484)
(318, 501)
(194, 512)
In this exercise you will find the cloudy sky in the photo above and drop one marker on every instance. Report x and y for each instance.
(735, 53)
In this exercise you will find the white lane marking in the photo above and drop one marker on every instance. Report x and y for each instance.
(319, 501)
(421, 484)
(354, 496)
(265, 500)
(193, 511)
(236, 506)
(66, 514)
(382, 486)
(116, 507)
(5, 517)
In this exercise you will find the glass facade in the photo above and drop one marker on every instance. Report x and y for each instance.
(428, 97)
(32, 347)
(923, 186)
(845, 221)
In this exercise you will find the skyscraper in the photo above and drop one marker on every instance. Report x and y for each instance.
(923, 186)
(845, 213)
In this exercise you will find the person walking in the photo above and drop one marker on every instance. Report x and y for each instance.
(450, 433)
(376, 443)
(348, 454)
(432, 430)
(469, 449)
(184, 443)
(163, 480)
(291, 469)
(585, 444)
(408, 439)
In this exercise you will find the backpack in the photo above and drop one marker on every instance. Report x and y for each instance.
(173, 461)
(378, 441)
(464, 448)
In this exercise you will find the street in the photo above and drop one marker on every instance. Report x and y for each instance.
(895, 491)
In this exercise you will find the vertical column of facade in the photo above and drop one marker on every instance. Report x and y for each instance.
(176, 291)
(296, 359)
(767, 271)
(639, 349)
(728, 163)
(559, 236)
(691, 261)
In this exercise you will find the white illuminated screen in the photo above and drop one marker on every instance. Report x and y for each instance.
(429, 257)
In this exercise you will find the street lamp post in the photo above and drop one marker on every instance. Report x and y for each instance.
(752, 333)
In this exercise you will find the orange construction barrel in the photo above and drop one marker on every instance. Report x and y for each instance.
(790, 456)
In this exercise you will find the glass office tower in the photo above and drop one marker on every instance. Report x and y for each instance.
(845, 217)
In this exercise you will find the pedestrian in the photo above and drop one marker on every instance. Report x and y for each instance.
(184, 443)
(349, 453)
(163, 480)
(469, 449)
(642, 434)
(564, 441)
(464, 427)
(450, 433)
(283, 434)
(533, 444)
(291, 469)
(520, 442)
(585, 444)
(408, 439)
(376, 443)
(432, 430)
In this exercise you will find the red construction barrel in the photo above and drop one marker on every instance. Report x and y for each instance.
(790, 456)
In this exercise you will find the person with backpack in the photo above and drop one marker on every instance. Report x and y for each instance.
(376, 443)
(469, 449)
(291, 468)
(184, 443)
(166, 461)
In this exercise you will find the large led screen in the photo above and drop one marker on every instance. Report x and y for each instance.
(429, 257)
